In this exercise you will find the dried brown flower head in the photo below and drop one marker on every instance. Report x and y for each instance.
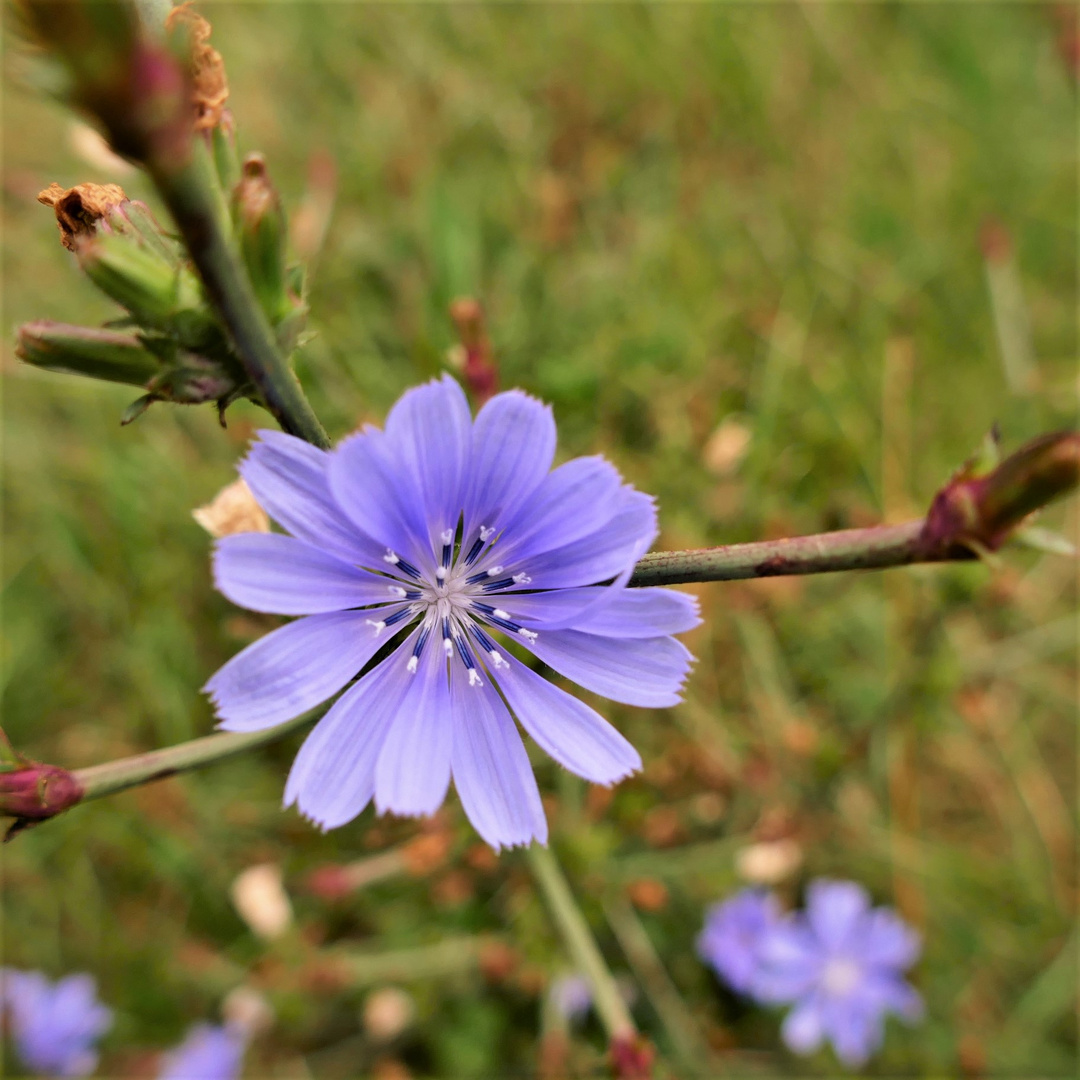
(80, 208)
(210, 87)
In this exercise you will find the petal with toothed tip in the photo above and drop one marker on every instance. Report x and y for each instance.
(635, 671)
(490, 767)
(577, 737)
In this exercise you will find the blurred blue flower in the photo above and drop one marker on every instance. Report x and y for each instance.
(435, 536)
(732, 936)
(840, 963)
(571, 997)
(54, 1025)
(207, 1053)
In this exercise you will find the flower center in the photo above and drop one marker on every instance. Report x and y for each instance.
(840, 977)
(453, 602)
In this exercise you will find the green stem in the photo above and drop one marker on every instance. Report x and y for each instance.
(853, 549)
(686, 1040)
(451, 956)
(189, 192)
(581, 944)
(113, 776)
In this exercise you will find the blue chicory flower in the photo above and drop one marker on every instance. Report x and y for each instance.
(840, 962)
(571, 997)
(54, 1025)
(435, 536)
(207, 1053)
(732, 936)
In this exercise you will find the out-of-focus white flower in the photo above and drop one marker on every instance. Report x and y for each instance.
(387, 1012)
(726, 447)
(260, 898)
(232, 510)
(768, 862)
(91, 147)
(247, 1010)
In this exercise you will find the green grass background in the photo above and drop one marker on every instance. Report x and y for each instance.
(674, 215)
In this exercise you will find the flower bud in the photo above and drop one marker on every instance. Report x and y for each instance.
(982, 510)
(159, 295)
(136, 278)
(132, 218)
(260, 229)
(80, 350)
(37, 792)
(478, 366)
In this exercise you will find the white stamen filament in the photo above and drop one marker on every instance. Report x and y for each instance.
(498, 659)
(500, 614)
(495, 571)
(474, 677)
(486, 534)
(529, 635)
(447, 536)
(521, 579)
(411, 665)
(390, 557)
(379, 626)
(396, 590)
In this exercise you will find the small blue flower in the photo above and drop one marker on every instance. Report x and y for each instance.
(54, 1025)
(435, 537)
(841, 964)
(207, 1053)
(571, 997)
(734, 930)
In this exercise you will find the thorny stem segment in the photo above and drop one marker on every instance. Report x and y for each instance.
(188, 193)
(852, 549)
(581, 944)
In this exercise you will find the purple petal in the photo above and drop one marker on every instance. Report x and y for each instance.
(890, 994)
(596, 557)
(55, 1025)
(207, 1053)
(571, 996)
(491, 770)
(278, 574)
(374, 486)
(791, 962)
(575, 500)
(413, 770)
(577, 737)
(292, 669)
(803, 1028)
(430, 429)
(854, 1028)
(512, 450)
(633, 613)
(288, 478)
(835, 909)
(333, 776)
(635, 671)
(887, 941)
(731, 939)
